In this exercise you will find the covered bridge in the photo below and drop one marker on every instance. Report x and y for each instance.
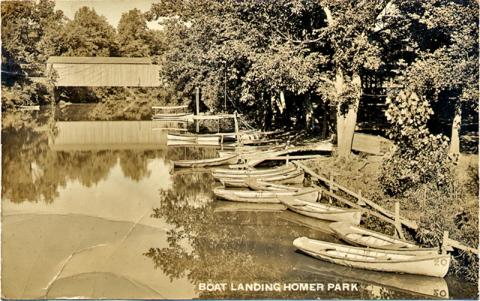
(103, 71)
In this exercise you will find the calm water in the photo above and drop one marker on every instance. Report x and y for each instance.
(95, 210)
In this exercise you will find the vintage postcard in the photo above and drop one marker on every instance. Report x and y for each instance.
(239, 149)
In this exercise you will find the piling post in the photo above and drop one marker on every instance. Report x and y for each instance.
(398, 225)
(197, 108)
(236, 126)
(330, 186)
(445, 242)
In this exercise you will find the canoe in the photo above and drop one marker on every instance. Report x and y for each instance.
(192, 143)
(417, 284)
(254, 172)
(250, 196)
(226, 136)
(169, 115)
(248, 150)
(256, 184)
(323, 211)
(205, 162)
(359, 236)
(373, 259)
(194, 139)
(295, 177)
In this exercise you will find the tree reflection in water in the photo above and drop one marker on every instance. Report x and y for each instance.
(32, 171)
(205, 246)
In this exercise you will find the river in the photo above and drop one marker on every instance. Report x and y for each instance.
(94, 209)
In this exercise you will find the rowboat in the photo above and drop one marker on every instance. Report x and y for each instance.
(205, 162)
(169, 115)
(250, 196)
(255, 172)
(294, 177)
(192, 143)
(359, 236)
(194, 139)
(374, 259)
(256, 184)
(323, 211)
(226, 136)
(240, 174)
(417, 284)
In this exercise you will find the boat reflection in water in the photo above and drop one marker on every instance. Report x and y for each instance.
(232, 244)
(77, 221)
(423, 285)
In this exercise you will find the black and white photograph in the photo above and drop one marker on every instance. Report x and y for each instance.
(240, 149)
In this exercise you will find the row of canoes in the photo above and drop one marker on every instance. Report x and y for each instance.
(371, 250)
(428, 264)
(268, 186)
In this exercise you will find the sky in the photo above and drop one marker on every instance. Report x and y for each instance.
(111, 9)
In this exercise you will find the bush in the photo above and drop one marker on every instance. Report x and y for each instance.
(408, 168)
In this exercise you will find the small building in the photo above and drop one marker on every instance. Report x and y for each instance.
(103, 71)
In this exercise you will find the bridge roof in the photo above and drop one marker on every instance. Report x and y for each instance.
(99, 60)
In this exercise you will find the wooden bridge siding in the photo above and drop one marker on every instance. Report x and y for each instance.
(108, 135)
(106, 75)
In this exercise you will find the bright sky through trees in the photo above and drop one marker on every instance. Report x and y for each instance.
(112, 9)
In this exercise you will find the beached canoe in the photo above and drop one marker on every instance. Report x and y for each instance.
(205, 162)
(256, 184)
(294, 177)
(255, 171)
(375, 259)
(194, 138)
(190, 136)
(418, 284)
(322, 211)
(193, 143)
(250, 196)
(240, 174)
(359, 236)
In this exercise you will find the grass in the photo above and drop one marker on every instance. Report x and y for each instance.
(454, 210)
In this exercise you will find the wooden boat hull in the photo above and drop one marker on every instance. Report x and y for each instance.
(358, 236)
(377, 260)
(195, 139)
(323, 211)
(254, 172)
(192, 143)
(418, 284)
(167, 115)
(295, 177)
(205, 162)
(271, 197)
(242, 174)
(255, 184)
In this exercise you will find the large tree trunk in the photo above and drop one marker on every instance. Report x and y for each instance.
(455, 137)
(346, 116)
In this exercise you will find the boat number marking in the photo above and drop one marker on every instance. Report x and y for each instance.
(442, 261)
(441, 293)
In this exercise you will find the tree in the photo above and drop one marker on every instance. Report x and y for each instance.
(239, 45)
(351, 49)
(275, 52)
(24, 24)
(89, 34)
(134, 38)
(441, 37)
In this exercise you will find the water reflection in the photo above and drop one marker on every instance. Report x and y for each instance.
(85, 216)
(237, 245)
(36, 161)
